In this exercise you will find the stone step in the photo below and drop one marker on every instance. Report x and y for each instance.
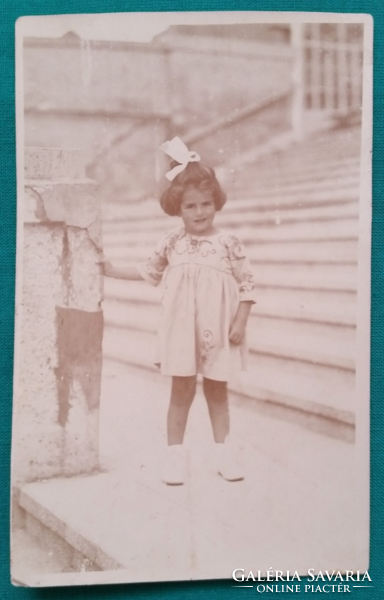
(303, 158)
(326, 252)
(317, 389)
(250, 196)
(344, 229)
(229, 218)
(267, 184)
(319, 306)
(298, 305)
(322, 147)
(324, 277)
(330, 177)
(286, 179)
(310, 342)
(293, 276)
(278, 173)
(305, 253)
(248, 200)
(152, 531)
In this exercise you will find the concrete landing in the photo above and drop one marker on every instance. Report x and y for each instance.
(293, 511)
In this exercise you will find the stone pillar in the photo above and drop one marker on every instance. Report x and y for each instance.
(59, 324)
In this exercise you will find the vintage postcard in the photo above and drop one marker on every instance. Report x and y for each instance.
(191, 383)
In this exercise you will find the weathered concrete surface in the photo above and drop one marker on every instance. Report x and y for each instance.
(84, 283)
(60, 323)
(37, 440)
(79, 335)
(39, 550)
(295, 508)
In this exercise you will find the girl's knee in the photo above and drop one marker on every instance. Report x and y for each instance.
(184, 388)
(215, 391)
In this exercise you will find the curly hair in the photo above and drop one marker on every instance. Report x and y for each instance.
(197, 176)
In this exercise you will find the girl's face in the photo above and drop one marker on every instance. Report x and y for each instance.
(198, 212)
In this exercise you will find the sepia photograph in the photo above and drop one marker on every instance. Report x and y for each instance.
(192, 341)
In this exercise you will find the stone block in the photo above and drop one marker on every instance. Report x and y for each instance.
(39, 453)
(41, 505)
(84, 283)
(81, 437)
(53, 163)
(35, 406)
(79, 343)
(59, 321)
(18, 514)
(82, 563)
(52, 542)
(72, 203)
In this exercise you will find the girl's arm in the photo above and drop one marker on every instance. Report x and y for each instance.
(129, 272)
(242, 273)
(238, 327)
(151, 271)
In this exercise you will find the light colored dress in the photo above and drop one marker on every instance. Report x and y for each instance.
(204, 278)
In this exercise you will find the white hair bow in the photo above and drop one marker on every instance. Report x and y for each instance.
(177, 150)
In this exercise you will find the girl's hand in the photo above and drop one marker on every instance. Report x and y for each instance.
(129, 272)
(106, 267)
(238, 327)
(237, 332)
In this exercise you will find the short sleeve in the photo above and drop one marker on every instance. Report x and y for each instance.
(152, 270)
(241, 269)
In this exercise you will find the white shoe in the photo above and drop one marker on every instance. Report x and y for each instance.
(228, 461)
(173, 472)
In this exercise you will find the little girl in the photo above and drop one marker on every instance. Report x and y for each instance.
(208, 291)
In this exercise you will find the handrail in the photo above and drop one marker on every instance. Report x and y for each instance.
(234, 117)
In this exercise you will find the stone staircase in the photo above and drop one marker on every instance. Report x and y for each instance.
(297, 212)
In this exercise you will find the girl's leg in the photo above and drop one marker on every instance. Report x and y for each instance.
(226, 455)
(217, 399)
(182, 395)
